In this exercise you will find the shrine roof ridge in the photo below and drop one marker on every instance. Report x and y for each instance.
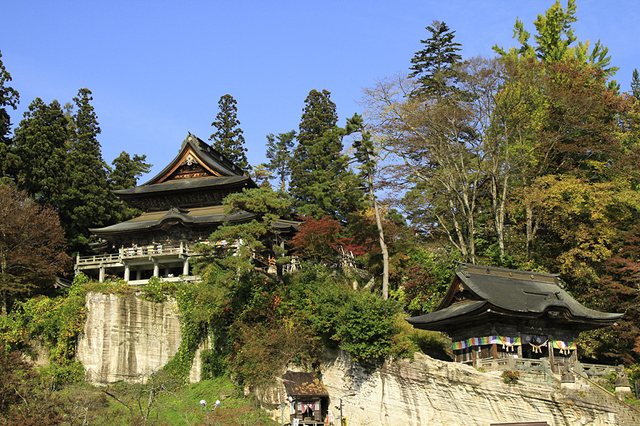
(186, 184)
(213, 158)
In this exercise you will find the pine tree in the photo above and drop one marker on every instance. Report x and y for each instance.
(279, 155)
(320, 182)
(87, 200)
(435, 67)
(635, 84)
(127, 170)
(124, 174)
(38, 152)
(228, 137)
(9, 97)
(261, 176)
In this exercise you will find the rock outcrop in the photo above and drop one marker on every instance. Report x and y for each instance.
(127, 338)
(426, 391)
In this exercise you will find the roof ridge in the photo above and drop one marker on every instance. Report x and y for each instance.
(468, 268)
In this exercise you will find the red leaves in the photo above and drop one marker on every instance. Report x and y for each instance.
(323, 239)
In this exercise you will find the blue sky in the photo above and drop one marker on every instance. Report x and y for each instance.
(158, 68)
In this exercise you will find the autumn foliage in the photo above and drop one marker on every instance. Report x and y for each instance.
(31, 245)
(323, 239)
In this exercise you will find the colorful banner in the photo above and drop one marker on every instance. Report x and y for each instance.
(506, 342)
(564, 347)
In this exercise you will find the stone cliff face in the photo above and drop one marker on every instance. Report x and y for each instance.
(431, 392)
(127, 338)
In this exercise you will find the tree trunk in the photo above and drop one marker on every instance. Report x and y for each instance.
(383, 244)
(530, 227)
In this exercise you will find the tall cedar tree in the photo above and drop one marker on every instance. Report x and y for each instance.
(127, 170)
(435, 67)
(31, 246)
(38, 152)
(320, 182)
(9, 97)
(87, 201)
(228, 137)
(635, 84)
(124, 174)
(279, 154)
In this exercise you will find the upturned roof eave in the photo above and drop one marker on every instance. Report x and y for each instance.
(486, 310)
(199, 221)
(185, 185)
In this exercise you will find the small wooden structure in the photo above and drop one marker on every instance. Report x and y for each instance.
(495, 313)
(309, 398)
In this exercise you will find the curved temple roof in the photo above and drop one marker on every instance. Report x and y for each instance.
(206, 216)
(209, 182)
(481, 291)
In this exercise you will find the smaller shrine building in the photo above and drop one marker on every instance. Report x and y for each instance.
(492, 312)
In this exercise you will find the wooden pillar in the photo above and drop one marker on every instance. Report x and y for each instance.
(101, 274)
(185, 267)
(156, 269)
(127, 273)
(551, 361)
(519, 350)
(494, 350)
(474, 356)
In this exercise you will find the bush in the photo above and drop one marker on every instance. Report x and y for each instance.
(366, 326)
(510, 377)
(55, 376)
(156, 290)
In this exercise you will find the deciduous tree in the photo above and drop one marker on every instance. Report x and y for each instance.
(366, 155)
(31, 246)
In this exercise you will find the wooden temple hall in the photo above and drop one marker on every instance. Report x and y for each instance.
(180, 207)
(494, 313)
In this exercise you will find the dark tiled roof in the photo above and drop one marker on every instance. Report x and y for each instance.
(300, 384)
(209, 182)
(512, 292)
(196, 216)
(209, 215)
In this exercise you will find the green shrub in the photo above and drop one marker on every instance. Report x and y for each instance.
(56, 376)
(366, 326)
(157, 290)
(510, 377)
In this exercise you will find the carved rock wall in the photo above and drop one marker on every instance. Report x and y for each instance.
(431, 392)
(127, 338)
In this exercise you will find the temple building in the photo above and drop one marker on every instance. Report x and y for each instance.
(181, 206)
(498, 313)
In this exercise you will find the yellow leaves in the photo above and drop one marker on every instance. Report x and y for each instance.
(583, 216)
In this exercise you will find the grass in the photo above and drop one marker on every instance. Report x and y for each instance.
(178, 407)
